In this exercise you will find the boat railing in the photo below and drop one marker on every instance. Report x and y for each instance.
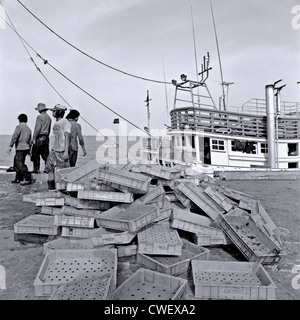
(258, 107)
(227, 122)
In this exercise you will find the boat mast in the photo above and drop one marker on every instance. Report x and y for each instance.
(220, 64)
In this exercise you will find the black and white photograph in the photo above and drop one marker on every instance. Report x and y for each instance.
(150, 151)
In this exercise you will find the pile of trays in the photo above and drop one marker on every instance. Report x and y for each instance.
(158, 217)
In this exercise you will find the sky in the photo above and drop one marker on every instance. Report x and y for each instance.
(259, 43)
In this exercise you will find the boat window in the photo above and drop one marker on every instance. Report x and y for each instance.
(264, 148)
(244, 146)
(292, 149)
(218, 145)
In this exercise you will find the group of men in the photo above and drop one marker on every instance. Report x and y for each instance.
(64, 152)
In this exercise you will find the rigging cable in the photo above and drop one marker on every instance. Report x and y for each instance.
(76, 85)
(39, 70)
(86, 54)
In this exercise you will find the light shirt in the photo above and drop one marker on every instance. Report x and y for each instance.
(21, 137)
(42, 125)
(75, 133)
(60, 127)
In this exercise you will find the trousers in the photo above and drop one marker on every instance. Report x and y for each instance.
(40, 150)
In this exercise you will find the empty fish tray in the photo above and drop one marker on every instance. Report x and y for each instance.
(99, 288)
(218, 238)
(151, 285)
(50, 201)
(50, 210)
(174, 265)
(105, 196)
(159, 239)
(255, 245)
(66, 244)
(37, 224)
(31, 197)
(129, 218)
(126, 250)
(86, 204)
(81, 232)
(73, 221)
(61, 266)
(232, 280)
(71, 211)
(117, 237)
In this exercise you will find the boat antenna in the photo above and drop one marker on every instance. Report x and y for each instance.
(220, 64)
(148, 122)
(195, 53)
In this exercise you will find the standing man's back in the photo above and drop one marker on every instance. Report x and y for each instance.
(41, 137)
(75, 136)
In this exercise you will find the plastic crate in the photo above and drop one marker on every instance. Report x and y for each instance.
(155, 194)
(69, 210)
(220, 199)
(129, 218)
(232, 280)
(61, 266)
(126, 250)
(125, 178)
(37, 224)
(192, 222)
(77, 232)
(112, 238)
(217, 238)
(77, 186)
(161, 172)
(86, 171)
(74, 221)
(125, 189)
(55, 202)
(174, 265)
(159, 239)
(165, 211)
(50, 210)
(255, 245)
(105, 196)
(32, 197)
(86, 204)
(201, 199)
(99, 288)
(66, 244)
(146, 284)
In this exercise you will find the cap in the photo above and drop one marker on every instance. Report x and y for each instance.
(73, 114)
(41, 107)
(58, 107)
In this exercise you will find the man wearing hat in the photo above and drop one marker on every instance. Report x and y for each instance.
(76, 135)
(40, 137)
(59, 156)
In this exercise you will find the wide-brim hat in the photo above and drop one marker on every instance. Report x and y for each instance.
(41, 107)
(58, 107)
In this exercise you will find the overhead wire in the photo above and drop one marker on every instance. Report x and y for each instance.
(76, 85)
(86, 54)
(39, 70)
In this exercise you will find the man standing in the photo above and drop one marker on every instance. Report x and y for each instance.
(21, 138)
(58, 157)
(76, 135)
(40, 139)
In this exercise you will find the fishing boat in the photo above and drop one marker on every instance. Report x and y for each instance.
(262, 133)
